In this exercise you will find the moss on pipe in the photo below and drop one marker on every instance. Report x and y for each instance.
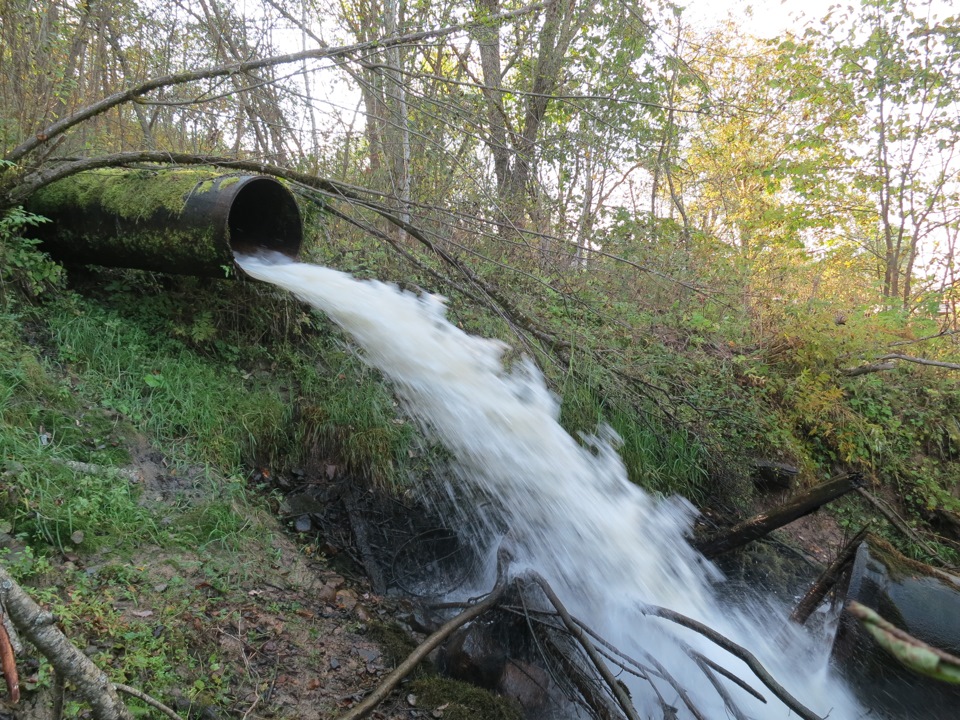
(171, 220)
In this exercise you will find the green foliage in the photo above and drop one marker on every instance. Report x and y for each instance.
(22, 264)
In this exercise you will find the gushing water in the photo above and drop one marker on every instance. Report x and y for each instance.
(606, 546)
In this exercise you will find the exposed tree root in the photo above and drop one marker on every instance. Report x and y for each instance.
(8, 663)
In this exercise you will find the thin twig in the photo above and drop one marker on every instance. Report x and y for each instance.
(151, 701)
(623, 699)
(727, 674)
(731, 706)
(895, 520)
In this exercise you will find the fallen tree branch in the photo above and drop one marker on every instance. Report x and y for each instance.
(885, 363)
(895, 520)
(717, 667)
(707, 669)
(379, 694)
(37, 626)
(152, 702)
(737, 651)
(828, 578)
(759, 525)
(599, 705)
(623, 699)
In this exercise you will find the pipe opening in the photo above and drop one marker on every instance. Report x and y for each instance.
(264, 216)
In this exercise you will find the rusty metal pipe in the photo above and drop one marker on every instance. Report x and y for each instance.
(184, 221)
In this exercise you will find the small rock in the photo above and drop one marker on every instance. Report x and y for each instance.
(302, 524)
(334, 663)
(160, 588)
(327, 594)
(347, 599)
(368, 655)
(412, 700)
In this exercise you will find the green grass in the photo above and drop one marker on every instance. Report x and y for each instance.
(208, 412)
(660, 459)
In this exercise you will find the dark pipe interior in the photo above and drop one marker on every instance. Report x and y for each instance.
(264, 216)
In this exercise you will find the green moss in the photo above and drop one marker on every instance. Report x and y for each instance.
(132, 195)
(227, 182)
(395, 641)
(462, 701)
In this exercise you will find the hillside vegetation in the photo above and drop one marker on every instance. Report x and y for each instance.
(727, 249)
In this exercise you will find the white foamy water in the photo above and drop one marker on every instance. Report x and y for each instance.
(605, 545)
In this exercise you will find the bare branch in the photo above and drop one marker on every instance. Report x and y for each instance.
(247, 66)
(37, 626)
(885, 362)
(737, 651)
(623, 699)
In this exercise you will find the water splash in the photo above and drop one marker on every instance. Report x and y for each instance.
(601, 541)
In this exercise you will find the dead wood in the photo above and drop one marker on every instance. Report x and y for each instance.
(895, 520)
(623, 699)
(764, 523)
(152, 702)
(681, 691)
(828, 578)
(380, 693)
(737, 651)
(602, 707)
(707, 669)
(885, 363)
(37, 626)
(8, 662)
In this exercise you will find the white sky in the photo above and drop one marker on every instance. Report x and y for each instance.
(759, 18)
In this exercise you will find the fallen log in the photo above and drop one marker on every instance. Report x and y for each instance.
(828, 579)
(766, 522)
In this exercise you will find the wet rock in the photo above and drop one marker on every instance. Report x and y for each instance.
(917, 598)
(476, 654)
(526, 683)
